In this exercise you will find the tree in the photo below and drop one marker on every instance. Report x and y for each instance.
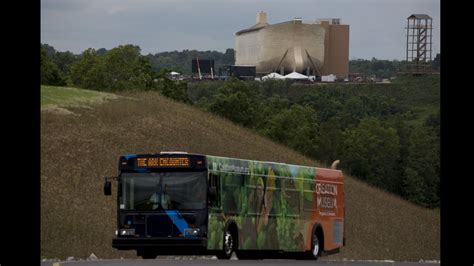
(101, 51)
(269, 108)
(324, 104)
(296, 127)
(122, 68)
(236, 101)
(50, 74)
(433, 122)
(329, 142)
(422, 175)
(371, 152)
(64, 61)
(50, 51)
(379, 68)
(228, 57)
(118, 68)
(56, 65)
(176, 90)
(85, 72)
(353, 111)
(404, 129)
(414, 187)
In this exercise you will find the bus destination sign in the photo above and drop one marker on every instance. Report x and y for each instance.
(157, 162)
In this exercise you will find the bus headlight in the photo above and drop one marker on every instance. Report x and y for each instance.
(127, 232)
(191, 231)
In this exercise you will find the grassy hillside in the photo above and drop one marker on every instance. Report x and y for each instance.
(78, 151)
(58, 99)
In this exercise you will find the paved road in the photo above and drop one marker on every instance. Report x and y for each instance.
(202, 262)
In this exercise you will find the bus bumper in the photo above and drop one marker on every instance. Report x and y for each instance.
(125, 243)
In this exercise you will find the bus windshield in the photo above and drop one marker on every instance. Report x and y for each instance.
(163, 191)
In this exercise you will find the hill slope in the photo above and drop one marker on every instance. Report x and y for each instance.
(78, 151)
(56, 99)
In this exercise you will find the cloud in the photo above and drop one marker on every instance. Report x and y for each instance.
(64, 5)
(376, 26)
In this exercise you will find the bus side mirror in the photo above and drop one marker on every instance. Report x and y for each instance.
(107, 187)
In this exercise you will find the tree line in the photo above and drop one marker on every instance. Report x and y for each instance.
(181, 61)
(121, 68)
(56, 66)
(385, 68)
(385, 135)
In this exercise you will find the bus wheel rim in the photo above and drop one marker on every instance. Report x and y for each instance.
(228, 242)
(315, 247)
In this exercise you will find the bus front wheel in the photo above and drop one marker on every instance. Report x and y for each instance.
(147, 254)
(228, 246)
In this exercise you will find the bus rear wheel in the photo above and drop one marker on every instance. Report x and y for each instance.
(228, 246)
(316, 246)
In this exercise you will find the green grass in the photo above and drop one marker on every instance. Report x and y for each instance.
(68, 97)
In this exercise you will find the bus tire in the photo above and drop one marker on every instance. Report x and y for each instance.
(317, 244)
(229, 245)
(147, 255)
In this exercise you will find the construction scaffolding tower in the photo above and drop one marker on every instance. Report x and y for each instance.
(419, 41)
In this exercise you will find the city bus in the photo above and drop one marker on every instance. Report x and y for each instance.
(179, 203)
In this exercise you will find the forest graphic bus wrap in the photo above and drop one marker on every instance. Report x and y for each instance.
(179, 203)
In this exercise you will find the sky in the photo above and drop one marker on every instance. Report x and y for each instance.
(377, 27)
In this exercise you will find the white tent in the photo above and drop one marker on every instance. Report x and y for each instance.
(273, 76)
(328, 78)
(174, 73)
(296, 75)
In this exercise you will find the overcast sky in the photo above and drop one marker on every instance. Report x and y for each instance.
(377, 27)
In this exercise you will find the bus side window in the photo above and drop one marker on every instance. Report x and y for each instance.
(215, 183)
(231, 192)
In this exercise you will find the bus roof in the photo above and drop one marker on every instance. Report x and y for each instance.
(222, 157)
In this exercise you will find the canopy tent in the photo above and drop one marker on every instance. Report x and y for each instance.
(328, 78)
(273, 76)
(296, 75)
